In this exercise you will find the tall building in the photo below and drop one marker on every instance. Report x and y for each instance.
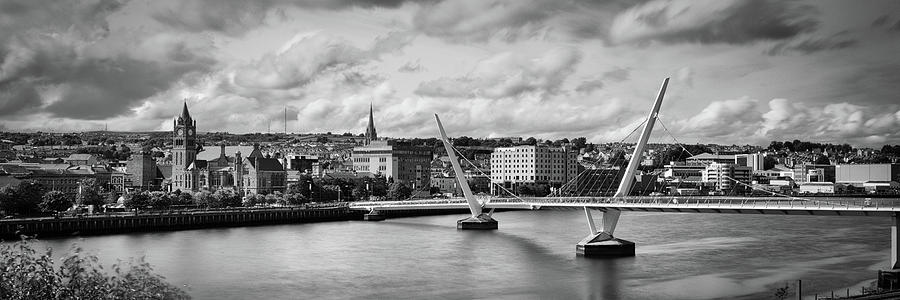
(184, 151)
(400, 161)
(532, 165)
(756, 161)
(371, 134)
(142, 171)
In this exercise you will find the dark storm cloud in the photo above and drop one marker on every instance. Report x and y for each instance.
(86, 19)
(880, 21)
(811, 44)
(726, 21)
(479, 21)
(99, 89)
(235, 17)
(17, 97)
(56, 63)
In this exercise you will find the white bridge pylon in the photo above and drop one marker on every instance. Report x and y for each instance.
(611, 216)
(474, 206)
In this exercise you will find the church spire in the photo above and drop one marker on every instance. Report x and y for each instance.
(371, 135)
(185, 115)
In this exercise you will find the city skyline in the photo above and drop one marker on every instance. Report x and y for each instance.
(743, 72)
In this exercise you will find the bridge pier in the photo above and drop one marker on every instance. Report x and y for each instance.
(890, 279)
(374, 215)
(480, 222)
(602, 244)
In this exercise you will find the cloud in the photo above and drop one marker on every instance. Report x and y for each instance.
(60, 59)
(724, 118)
(411, 67)
(236, 17)
(586, 87)
(508, 75)
(307, 56)
(617, 74)
(881, 21)
(809, 45)
(73, 79)
(479, 21)
(685, 75)
(84, 19)
(743, 121)
(299, 62)
(712, 21)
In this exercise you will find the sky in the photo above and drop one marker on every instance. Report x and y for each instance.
(742, 72)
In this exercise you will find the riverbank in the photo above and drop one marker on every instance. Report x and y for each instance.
(169, 221)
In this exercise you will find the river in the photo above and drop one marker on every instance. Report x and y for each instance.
(531, 256)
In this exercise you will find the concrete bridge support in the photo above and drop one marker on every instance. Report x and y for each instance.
(479, 220)
(890, 279)
(602, 243)
(374, 215)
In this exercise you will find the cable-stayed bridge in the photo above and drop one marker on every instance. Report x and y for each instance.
(820, 206)
(600, 242)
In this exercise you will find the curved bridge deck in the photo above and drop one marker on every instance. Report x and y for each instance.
(828, 206)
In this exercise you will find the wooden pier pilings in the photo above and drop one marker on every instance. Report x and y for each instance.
(166, 221)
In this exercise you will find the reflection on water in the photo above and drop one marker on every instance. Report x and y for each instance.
(679, 256)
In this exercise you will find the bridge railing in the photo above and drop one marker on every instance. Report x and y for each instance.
(669, 201)
(750, 202)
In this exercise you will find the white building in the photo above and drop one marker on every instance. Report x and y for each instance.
(724, 175)
(532, 165)
(817, 188)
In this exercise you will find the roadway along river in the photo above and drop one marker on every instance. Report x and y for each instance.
(532, 255)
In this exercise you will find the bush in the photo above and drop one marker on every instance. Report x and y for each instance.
(27, 274)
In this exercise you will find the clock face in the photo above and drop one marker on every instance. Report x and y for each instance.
(190, 131)
(179, 131)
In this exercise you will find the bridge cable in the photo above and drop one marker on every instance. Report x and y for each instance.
(483, 174)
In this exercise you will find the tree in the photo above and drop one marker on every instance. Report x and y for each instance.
(56, 201)
(89, 193)
(782, 292)
(579, 142)
(399, 191)
(160, 200)
(225, 198)
(274, 198)
(137, 200)
(204, 199)
(531, 141)
(182, 198)
(24, 198)
(28, 274)
(463, 141)
(525, 190)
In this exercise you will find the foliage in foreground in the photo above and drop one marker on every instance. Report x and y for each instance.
(27, 274)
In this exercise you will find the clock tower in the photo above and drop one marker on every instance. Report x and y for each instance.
(184, 150)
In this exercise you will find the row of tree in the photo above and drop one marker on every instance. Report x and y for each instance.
(801, 146)
(28, 198)
(32, 198)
